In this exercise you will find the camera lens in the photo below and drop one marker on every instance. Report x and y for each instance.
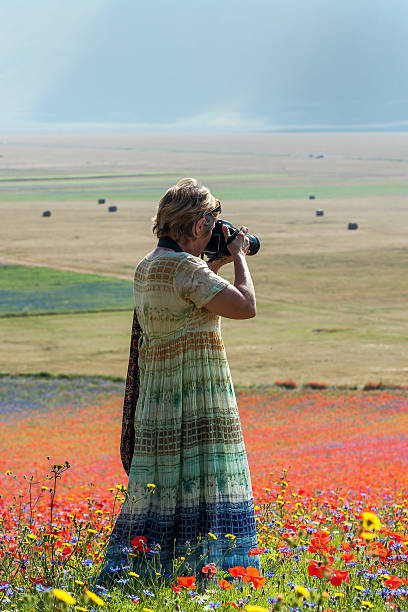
(254, 244)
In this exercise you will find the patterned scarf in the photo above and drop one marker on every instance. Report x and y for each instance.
(127, 441)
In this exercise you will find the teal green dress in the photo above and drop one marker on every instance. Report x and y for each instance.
(188, 435)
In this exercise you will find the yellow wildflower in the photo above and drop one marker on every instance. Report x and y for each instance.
(32, 536)
(8, 473)
(63, 596)
(358, 587)
(80, 582)
(92, 531)
(367, 603)
(370, 521)
(151, 486)
(367, 535)
(134, 574)
(256, 609)
(230, 536)
(94, 598)
(302, 591)
(212, 536)
(81, 609)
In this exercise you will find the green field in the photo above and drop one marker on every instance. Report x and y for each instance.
(232, 187)
(331, 303)
(28, 290)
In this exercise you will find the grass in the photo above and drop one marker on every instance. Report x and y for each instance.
(238, 187)
(35, 290)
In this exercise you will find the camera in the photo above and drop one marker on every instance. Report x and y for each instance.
(218, 246)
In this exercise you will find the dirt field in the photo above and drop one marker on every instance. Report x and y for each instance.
(331, 302)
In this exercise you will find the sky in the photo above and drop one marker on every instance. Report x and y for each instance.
(203, 65)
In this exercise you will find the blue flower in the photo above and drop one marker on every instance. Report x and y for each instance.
(87, 562)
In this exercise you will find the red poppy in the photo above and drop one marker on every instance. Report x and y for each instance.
(316, 569)
(258, 582)
(139, 544)
(210, 569)
(224, 584)
(319, 541)
(339, 576)
(255, 551)
(175, 588)
(238, 571)
(187, 582)
(393, 582)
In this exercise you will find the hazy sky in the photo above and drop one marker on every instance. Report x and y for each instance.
(198, 65)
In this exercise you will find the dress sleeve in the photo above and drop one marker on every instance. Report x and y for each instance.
(196, 283)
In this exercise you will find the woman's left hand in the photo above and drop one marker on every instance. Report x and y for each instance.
(217, 263)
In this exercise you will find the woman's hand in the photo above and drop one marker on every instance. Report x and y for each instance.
(240, 244)
(220, 261)
(236, 301)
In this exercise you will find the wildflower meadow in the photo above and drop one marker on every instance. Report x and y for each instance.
(330, 478)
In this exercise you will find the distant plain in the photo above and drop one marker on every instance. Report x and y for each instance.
(332, 303)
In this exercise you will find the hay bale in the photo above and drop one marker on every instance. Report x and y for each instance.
(46, 213)
(112, 208)
(352, 226)
(319, 212)
(101, 201)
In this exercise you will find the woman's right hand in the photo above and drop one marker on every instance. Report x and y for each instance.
(236, 301)
(240, 244)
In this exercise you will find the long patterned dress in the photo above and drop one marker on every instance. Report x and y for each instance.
(188, 436)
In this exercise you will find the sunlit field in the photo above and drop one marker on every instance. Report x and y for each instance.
(331, 302)
(330, 479)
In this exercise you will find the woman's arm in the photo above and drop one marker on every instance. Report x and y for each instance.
(236, 301)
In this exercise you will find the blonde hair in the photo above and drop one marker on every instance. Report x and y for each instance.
(181, 207)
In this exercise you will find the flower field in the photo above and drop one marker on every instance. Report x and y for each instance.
(330, 479)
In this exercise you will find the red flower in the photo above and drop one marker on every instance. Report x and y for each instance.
(139, 544)
(209, 569)
(255, 551)
(339, 576)
(187, 582)
(175, 588)
(316, 569)
(393, 582)
(258, 582)
(238, 571)
(250, 573)
(224, 584)
(319, 541)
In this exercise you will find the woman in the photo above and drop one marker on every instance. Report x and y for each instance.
(188, 437)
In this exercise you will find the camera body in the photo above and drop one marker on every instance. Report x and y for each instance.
(218, 247)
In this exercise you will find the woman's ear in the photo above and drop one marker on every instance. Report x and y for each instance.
(199, 226)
